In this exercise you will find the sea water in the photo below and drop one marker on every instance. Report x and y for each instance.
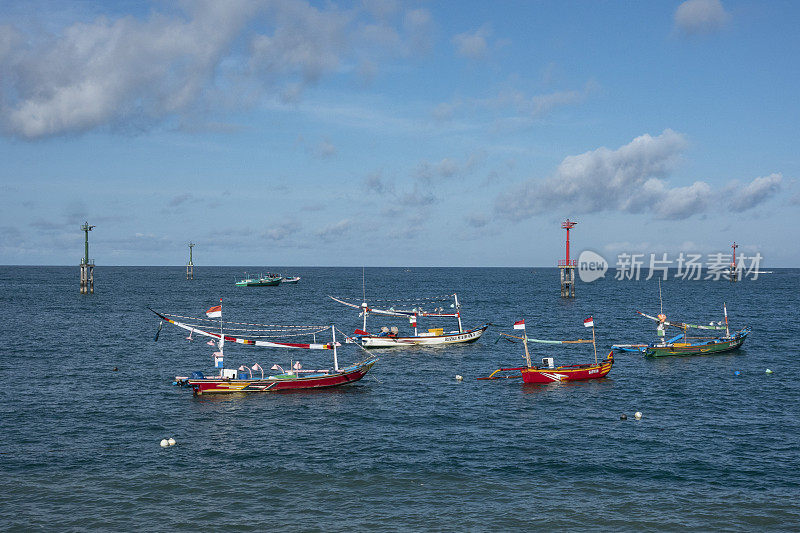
(409, 446)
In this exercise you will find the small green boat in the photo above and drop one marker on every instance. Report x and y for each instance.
(270, 280)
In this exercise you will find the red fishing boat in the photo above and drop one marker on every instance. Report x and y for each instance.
(243, 379)
(547, 372)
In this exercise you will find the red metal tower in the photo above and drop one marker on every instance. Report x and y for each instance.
(567, 225)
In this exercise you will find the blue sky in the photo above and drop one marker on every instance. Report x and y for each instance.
(385, 133)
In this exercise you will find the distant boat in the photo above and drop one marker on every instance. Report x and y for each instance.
(269, 280)
(291, 279)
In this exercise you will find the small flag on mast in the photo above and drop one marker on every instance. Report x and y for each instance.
(519, 324)
(589, 322)
(215, 312)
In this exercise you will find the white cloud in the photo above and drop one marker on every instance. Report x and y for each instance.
(476, 220)
(338, 228)
(628, 179)
(755, 192)
(132, 73)
(700, 17)
(325, 149)
(472, 45)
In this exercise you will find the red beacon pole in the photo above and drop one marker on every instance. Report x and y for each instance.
(567, 266)
(567, 225)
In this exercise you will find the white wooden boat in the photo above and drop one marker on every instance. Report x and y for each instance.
(390, 337)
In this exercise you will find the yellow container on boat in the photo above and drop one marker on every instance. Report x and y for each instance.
(436, 331)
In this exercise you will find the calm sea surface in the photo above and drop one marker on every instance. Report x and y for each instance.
(408, 447)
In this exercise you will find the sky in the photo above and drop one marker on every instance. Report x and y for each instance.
(388, 133)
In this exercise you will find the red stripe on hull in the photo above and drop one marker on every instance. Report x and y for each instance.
(559, 374)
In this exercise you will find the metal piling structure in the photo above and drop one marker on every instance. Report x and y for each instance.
(190, 265)
(733, 275)
(87, 265)
(567, 266)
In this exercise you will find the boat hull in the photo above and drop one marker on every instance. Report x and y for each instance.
(707, 348)
(259, 283)
(280, 383)
(374, 341)
(568, 373)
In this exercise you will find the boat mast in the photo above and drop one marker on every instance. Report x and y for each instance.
(727, 330)
(364, 298)
(335, 358)
(458, 314)
(525, 342)
(595, 343)
(221, 341)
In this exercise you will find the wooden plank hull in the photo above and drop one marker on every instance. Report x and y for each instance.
(283, 382)
(568, 373)
(706, 348)
(375, 341)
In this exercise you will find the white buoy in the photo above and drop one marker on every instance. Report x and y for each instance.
(164, 443)
(638, 415)
(459, 377)
(768, 371)
(171, 441)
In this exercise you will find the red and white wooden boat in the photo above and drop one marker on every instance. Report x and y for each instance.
(547, 372)
(243, 379)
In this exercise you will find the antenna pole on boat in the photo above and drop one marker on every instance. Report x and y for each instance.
(458, 315)
(660, 301)
(335, 358)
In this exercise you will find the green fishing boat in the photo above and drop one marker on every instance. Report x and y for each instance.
(683, 344)
(270, 280)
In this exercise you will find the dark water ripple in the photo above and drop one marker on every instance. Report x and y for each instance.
(408, 447)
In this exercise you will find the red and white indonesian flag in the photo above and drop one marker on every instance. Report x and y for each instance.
(215, 312)
(589, 322)
(519, 324)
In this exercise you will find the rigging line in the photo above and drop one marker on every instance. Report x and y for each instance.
(215, 321)
(353, 341)
(245, 330)
(444, 298)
